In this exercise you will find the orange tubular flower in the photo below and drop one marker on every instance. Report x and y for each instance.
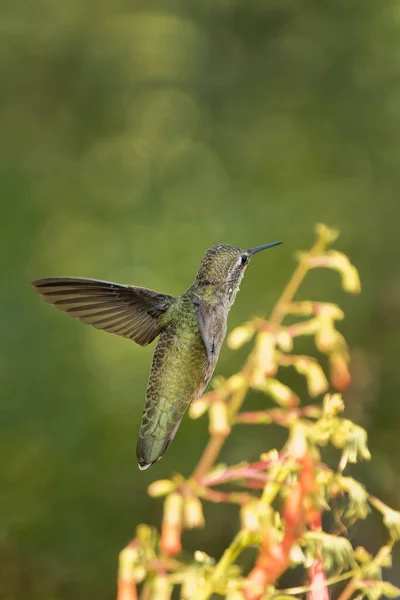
(127, 590)
(171, 529)
(339, 372)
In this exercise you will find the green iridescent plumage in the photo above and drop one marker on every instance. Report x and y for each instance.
(191, 329)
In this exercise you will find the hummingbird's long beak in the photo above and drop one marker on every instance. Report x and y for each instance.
(259, 248)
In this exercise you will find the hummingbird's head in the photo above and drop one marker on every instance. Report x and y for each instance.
(223, 266)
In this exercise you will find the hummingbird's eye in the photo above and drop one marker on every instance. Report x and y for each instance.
(244, 259)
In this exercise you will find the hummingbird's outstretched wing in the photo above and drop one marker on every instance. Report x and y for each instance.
(128, 311)
(205, 313)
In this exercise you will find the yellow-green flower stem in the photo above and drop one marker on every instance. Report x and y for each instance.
(216, 442)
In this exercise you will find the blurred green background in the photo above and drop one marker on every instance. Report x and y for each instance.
(135, 134)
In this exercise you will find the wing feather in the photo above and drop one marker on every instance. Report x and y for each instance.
(205, 318)
(128, 311)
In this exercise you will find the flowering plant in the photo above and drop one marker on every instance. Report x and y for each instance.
(283, 495)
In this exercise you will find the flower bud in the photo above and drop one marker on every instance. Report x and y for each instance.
(199, 407)
(145, 535)
(281, 393)
(327, 310)
(131, 568)
(240, 335)
(284, 340)
(316, 380)
(203, 558)
(266, 361)
(326, 338)
(297, 444)
(249, 517)
(236, 382)
(162, 487)
(193, 517)
(162, 588)
(219, 420)
(351, 280)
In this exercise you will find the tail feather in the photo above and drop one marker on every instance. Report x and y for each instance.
(150, 448)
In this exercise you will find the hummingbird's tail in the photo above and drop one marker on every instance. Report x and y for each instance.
(150, 448)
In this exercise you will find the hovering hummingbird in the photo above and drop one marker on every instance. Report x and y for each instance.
(191, 327)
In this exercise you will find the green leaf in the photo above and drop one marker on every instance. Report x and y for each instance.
(358, 507)
(373, 589)
(353, 440)
(391, 518)
(337, 552)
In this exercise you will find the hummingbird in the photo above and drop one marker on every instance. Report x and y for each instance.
(191, 330)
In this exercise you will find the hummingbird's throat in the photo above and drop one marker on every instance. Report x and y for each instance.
(233, 289)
